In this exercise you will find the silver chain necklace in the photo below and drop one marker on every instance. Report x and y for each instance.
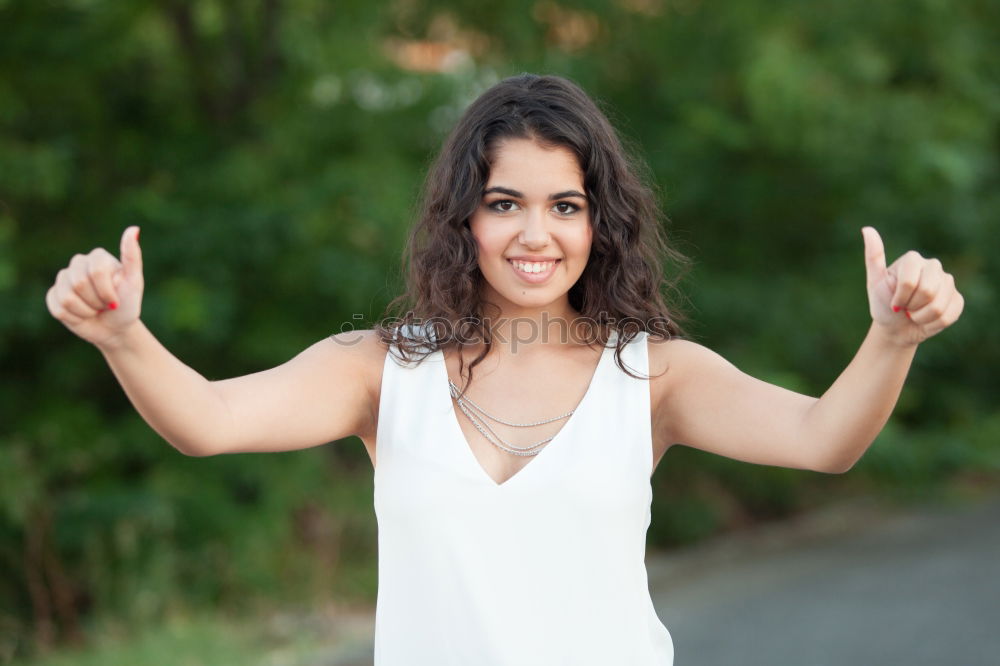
(467, 405)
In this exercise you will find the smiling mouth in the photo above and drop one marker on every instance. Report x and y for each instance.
(525, 271)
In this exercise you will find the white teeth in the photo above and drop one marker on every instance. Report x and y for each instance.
(533, 267)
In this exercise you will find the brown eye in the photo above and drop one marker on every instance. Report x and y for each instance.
(565, 208)
(502, 206)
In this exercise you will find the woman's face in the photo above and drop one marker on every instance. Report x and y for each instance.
(533, 210)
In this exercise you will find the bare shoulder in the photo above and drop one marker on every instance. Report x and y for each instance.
(672, 364)
(679, 362)
(366, 354)
(677, 350)
(673, 353)
(363, 345)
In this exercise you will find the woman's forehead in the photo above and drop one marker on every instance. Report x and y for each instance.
(527, 166)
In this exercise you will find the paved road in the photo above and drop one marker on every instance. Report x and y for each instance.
(922, 587)
(857, 585)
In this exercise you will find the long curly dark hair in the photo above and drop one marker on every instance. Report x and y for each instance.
(623, 285)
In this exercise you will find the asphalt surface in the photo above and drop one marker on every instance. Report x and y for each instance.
(915, 587)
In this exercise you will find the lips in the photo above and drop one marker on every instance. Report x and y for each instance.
(534, 278)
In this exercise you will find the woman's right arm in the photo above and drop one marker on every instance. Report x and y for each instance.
(327, 392)
(175, 400)
(323, 394)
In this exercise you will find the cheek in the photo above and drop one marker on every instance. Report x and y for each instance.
(487, 243)
(584, 239)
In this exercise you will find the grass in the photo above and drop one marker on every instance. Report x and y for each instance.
(180, 641)
(202, 640)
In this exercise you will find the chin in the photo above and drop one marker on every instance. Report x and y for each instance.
(529, 301)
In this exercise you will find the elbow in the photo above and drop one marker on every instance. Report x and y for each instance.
(197, 451)
(833, 457)
(835, 465)
(839, 468)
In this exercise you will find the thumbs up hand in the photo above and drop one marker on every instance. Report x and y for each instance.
(98, 296)
(912, 299)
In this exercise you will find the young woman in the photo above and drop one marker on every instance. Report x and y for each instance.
(515, 412)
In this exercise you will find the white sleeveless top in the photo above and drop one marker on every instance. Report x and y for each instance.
(546, 568)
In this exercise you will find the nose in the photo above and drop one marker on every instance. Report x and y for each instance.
(534, 233)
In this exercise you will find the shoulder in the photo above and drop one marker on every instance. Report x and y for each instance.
(362, 346)
(674, 364)
(361, 355)
(679, 361)
(362, 349)
(675, 354)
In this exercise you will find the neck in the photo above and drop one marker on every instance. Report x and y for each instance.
(523, 330)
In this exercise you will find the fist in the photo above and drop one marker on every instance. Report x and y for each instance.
(98, 296)
(914, 298)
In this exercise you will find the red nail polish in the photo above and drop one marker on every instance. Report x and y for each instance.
(908, 315)
(112, 305)
(895, 308)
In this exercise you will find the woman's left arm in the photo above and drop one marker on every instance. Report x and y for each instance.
(713, 406)
(909, 301)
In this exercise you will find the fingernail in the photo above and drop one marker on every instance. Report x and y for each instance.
(112, 305)
(908, 315)
(895, 308)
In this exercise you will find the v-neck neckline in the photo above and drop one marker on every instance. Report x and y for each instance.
(457, 427)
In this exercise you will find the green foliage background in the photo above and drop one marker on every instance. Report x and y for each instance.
(272, 152)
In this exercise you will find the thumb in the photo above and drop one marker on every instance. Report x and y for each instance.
(874, 254)
(131, 255)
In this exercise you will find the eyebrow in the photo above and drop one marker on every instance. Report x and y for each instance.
(552, 197)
